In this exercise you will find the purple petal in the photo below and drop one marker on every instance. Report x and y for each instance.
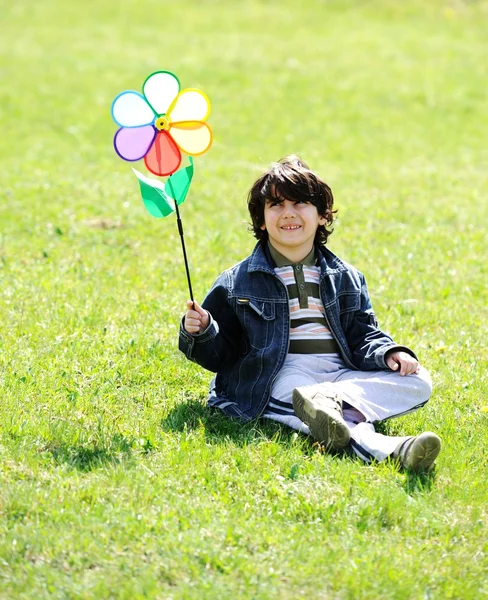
(133, 143)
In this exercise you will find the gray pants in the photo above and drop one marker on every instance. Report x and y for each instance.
(369, 396)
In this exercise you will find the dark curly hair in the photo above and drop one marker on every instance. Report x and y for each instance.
(291, 178)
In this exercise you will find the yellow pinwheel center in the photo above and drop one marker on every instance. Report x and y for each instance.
(162, 123)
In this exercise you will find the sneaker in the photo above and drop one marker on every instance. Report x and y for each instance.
(419, 453)
(319, 407)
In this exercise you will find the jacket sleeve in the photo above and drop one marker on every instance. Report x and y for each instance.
(369, 345)
(223, 340)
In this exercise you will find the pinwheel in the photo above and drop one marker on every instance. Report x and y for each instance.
(157, 126)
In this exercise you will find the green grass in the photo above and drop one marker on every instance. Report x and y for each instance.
(115, 480)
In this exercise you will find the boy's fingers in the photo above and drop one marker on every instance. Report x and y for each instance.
(407, 368)
(191, 314)
(196, 318)
(193, 305)
(192, 325)
(411, 368)
(201, 311)
(193, 321)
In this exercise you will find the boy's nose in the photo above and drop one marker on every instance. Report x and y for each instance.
(289, 211)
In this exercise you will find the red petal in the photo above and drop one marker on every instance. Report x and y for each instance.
(164, 156)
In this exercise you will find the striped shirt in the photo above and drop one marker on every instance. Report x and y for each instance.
(309, 331)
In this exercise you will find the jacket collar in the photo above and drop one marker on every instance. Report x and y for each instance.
(260, 260)
(281, 261)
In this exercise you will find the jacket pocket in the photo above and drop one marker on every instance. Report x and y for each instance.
(258, 319)
(349, 302)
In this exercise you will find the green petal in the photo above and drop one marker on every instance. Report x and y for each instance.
(178, 184)
(154, 196)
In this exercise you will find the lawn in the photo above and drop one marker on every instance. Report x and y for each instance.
(116, 481)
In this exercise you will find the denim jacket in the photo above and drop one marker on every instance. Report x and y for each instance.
(247, 339)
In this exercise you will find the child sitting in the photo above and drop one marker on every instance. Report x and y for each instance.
(291, 334)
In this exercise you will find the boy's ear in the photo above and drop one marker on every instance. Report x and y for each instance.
(263, 227)
(322, 220)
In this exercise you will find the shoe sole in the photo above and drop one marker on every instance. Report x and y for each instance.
(423, 452)
(324, 425)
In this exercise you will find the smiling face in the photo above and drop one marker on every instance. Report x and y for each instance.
(291, 226)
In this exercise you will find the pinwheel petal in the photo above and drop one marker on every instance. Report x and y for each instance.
(178, 184)
(189, 105)
(164, 157)
(132, 143)
(130, 109)
(192, 137)
(154, 196)
(160, 89)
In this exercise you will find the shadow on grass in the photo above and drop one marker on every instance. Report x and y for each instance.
(193, 414)
(419, 482)
(218, 428)
(91, 455)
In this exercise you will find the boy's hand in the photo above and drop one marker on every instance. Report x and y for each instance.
(196, 318)
(403, 361)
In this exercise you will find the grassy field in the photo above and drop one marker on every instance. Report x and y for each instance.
(115, 480)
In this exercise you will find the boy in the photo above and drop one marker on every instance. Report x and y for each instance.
(291, 334)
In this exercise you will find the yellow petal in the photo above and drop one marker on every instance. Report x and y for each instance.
(189, 105)
(192, 137)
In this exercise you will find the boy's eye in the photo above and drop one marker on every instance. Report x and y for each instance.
(279, 202)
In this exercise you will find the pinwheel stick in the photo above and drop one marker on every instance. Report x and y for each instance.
(182, 237)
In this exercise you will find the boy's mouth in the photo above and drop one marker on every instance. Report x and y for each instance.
(290, 227)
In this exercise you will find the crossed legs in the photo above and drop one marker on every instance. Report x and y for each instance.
(364, 397)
